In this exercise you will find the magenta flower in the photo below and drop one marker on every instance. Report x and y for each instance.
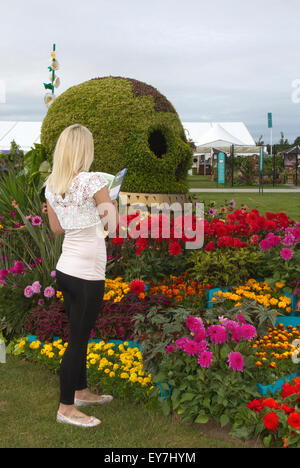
(211, 212)
(289, 240)
(196, 326)
(180, 342)
(191, 347)
(2, 282)
(248, 331)
(236, 361)
(241, 319)
(49, 291)
(170, 348)
(275, 240)
(36, 220)
(286, 253)
(265, 244)
(217, 334)
(3, 273)
(41, 302)
(205, 359)
(38, 260)
(28, 291)
(53, 273)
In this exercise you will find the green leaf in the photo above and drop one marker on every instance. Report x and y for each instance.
(202, 418)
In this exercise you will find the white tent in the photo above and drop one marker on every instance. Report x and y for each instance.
(218, 134)
(23, 133)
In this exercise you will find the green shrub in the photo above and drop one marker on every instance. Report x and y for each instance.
(133, 126)
(227, 267)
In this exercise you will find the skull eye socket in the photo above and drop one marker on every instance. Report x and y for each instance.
(157, 143)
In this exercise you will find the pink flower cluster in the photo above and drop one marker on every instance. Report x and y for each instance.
(216, 334)
(291, 237)
(35, 288)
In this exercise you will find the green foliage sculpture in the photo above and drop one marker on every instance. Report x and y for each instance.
(133, 126)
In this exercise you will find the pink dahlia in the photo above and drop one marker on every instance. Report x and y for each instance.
(217, 334)
(248, 331)
(286, 253)
(236, 361)
(205, 359)
(180, 342)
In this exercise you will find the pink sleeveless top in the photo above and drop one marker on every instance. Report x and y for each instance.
(83, 249)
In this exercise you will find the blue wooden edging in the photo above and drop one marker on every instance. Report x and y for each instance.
(265, 389)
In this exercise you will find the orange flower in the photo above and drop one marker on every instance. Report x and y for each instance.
(258, 364)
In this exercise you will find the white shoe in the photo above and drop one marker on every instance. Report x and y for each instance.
(91, 423)
(104, 399)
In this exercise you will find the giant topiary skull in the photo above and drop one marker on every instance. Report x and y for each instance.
(133, 126)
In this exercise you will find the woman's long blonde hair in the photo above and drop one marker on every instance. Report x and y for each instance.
(74, 153)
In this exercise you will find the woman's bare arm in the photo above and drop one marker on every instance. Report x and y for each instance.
(108, 210)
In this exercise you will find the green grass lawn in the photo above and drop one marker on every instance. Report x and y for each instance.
(288, 203)
(29, 400)
(201, 181)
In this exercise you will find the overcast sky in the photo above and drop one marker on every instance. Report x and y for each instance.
(214, 60)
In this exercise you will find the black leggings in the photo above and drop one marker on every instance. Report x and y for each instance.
(82, 301)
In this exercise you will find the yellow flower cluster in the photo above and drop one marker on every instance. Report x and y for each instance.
(276, 346)
(118, 361)
(260, 292)
(115, 289)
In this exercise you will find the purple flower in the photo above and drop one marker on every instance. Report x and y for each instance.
(232, 203)
(36, 220)
(286, 253)
(36, 286)
(53, 273)
(211, 212)
(217, 334)
(49, 291)
(28, 291)
(236, 361)
(41, 302)
(205, 359)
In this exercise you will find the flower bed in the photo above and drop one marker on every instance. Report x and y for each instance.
(260, 291)
(117, 368)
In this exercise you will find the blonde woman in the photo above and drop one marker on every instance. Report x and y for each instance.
(79, 206)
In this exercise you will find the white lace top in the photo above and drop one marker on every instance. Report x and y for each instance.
(78, 208)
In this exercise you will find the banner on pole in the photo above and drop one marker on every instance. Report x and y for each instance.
(221, 168)
(270, 120)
